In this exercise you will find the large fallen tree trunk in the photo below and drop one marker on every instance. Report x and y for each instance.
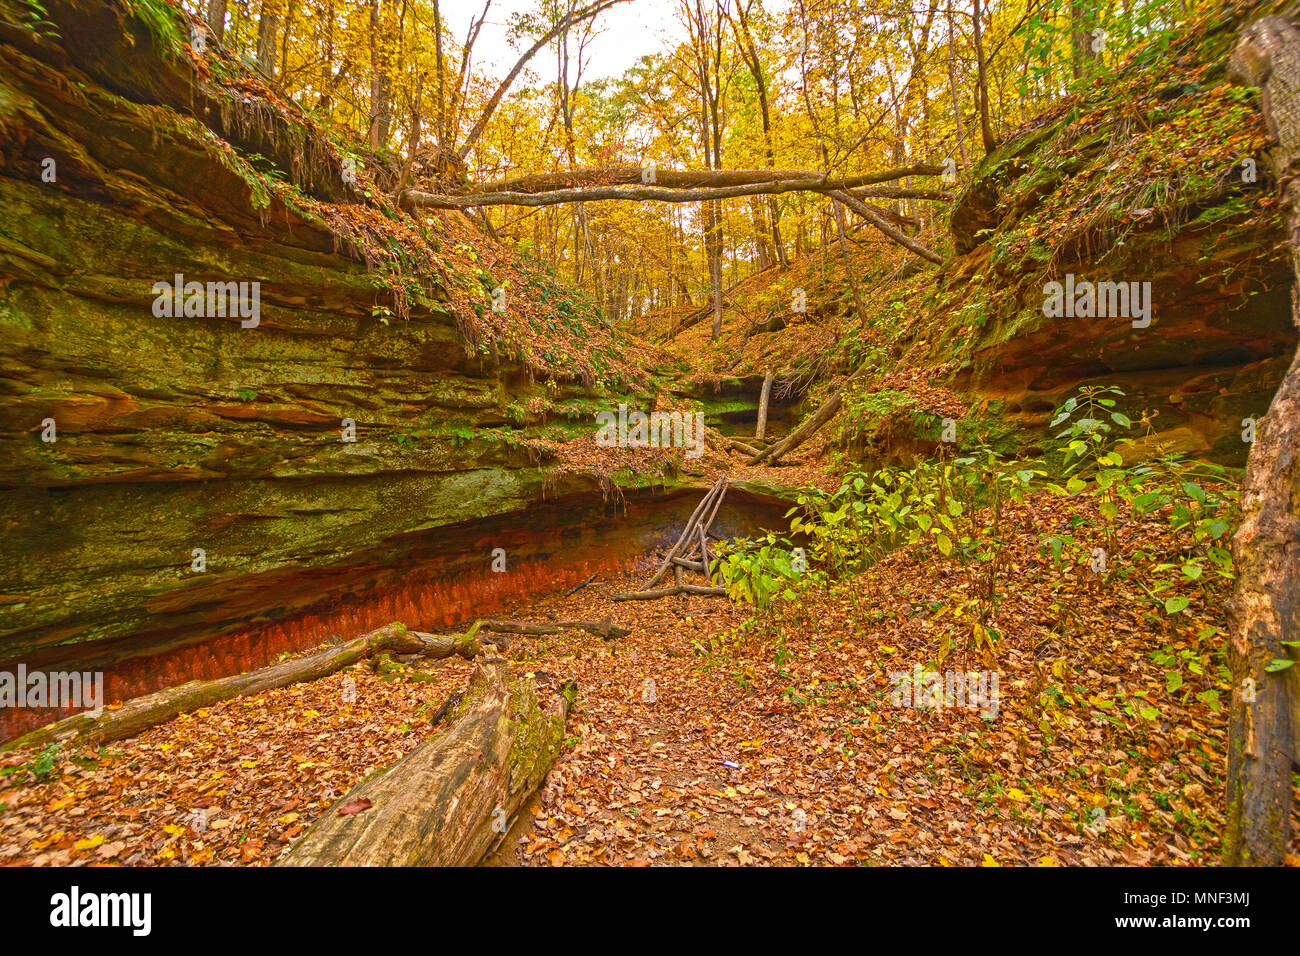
(451, 798)
(657, 192)
(691, 178)
(1264, 724)
(141, 713)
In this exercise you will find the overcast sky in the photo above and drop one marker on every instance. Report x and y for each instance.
(628, 32)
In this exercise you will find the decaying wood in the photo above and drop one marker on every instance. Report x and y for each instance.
(724, 443)
(141, 713)
(695, 537)
(603, 628)
(578, 587)
(804, 431)
(669, 592)
(1264, 723)
(686, 532)
(451, 798)
(692, 178)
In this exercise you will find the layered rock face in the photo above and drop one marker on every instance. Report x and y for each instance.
(1155, 179)
(168, 478)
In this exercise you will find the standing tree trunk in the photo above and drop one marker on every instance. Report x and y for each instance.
(1083, 19)
(760, 429)
(268, 25)
(217, 18)
(1262, 744)
(990, 142)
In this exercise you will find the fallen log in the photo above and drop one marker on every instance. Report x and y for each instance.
(449, 800)
(603, 628)
(692, 178)
(669, 592)
(877, 217)
(803, 432)
(141, 713)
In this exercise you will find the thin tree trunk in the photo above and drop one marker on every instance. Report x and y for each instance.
(217, 18)
(761, 429)
(990, 142)
(268, 25)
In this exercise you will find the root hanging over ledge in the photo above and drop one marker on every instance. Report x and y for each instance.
(449, 800)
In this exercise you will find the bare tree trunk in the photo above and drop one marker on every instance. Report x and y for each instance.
(268, 25)
(952, 82)
(761, 429)
(990, 142)
(1083, 19)
(217, 18)
(1264, 724)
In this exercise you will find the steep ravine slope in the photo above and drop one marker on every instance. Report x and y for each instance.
(1140, 177)
(127, 159)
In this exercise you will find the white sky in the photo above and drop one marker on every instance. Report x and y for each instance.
(627, 32)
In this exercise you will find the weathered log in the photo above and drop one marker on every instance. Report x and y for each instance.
(656, 593)
(141, 713)
(449, 800)
(692, 178)
(813, 182)
(685, 536)
(1263, 725)
(603, 628)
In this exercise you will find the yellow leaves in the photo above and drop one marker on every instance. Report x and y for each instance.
(249, 764)
(56, 805)
(288, 818)
(1017, 795)
(989, 861)
(89, 844)
(311, 713)
(173, 829)
(1048, 860)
